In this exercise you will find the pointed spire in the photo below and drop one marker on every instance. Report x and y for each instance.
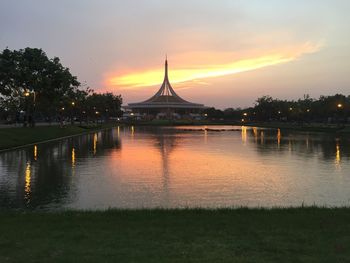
(166, 66)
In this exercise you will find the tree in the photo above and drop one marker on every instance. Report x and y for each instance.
(34, 82)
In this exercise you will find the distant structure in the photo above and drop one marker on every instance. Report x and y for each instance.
(166, 103)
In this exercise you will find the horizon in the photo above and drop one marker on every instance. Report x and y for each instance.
(244, 51)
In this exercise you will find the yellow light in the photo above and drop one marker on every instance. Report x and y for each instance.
(95, 143)
(26, 94)
(278, 137)
(132, 114)
(97, 112)
(244, 134)
(35, 152)
(290, 108)
(242, 120)
(206, 115)
(73, 157)
(245, 114)
(337, 154)
(62, 108)
(27, 186)
(340, 105)
(73, 103)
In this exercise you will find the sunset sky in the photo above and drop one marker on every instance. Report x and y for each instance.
(222, 53)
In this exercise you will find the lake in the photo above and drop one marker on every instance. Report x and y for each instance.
(176, 167)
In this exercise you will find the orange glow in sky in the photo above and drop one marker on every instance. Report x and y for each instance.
(151, 77)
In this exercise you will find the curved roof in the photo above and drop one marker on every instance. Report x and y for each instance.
(166, 97)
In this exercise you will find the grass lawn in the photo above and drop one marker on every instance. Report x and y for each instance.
(13, 137)
(238, 235)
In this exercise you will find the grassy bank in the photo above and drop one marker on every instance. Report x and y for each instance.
(241, 235)
(14, 137)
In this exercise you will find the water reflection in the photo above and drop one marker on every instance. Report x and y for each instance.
(27, 189)
(172, 167)
(47, 178)
(35, 151)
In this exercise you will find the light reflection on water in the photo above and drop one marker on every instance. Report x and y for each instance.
(135, 167)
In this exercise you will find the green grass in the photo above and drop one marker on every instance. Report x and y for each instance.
(238, 235)
(14, 137)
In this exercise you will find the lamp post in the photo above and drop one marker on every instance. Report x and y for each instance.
(340, 107)
(72, 113)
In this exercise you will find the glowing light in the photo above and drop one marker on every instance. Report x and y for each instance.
(337, 154)
(340, 105)
(27, 186)
(95, 143)
(245, 114)
(73, 103)
(195, 72)
(73, 157)
(26, 94)
(244, 134)
(35, 152)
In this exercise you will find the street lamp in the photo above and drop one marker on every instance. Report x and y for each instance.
(340, 106)
(73, 103)
(245, 114)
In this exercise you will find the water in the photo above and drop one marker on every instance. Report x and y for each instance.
(144, 167)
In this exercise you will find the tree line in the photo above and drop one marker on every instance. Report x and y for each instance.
(335, 108)
(34, 88)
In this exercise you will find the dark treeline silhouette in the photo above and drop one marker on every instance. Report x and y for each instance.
(326, 109)
(35, 87)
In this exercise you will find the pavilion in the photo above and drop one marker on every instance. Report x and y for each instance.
(166, 102)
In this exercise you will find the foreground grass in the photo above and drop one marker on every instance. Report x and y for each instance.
(240, 235)
(14, 137)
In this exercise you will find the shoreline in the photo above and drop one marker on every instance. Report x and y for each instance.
(54, 133)
(63, 133)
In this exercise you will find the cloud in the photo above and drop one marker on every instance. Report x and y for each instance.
(206, 65)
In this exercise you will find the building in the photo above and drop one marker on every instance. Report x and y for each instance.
(165, 103)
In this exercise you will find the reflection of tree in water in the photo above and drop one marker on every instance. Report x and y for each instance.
(270, 141)
(40, 175)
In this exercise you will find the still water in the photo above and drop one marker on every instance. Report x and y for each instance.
(144, 167)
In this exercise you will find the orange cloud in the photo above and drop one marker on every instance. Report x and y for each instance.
(195, 72)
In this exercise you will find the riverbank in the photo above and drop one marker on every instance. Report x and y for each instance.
(19, 136)
(312, 127)
(189, 235)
